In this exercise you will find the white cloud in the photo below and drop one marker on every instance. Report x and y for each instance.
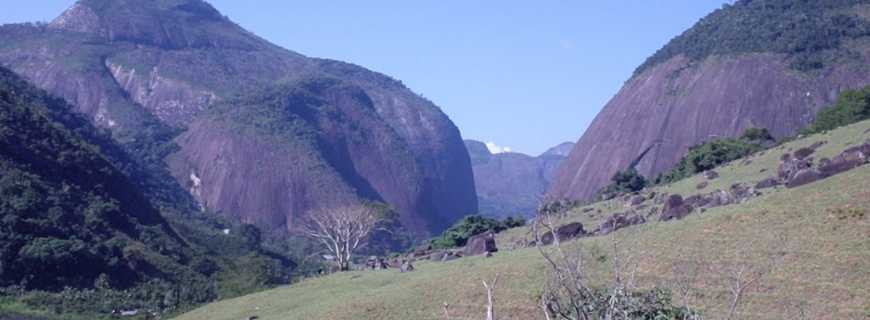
(496, 149)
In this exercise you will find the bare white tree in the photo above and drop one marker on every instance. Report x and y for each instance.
(341, 230)
(490, 288)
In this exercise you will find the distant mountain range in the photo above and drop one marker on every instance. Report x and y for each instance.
(251, 130)
(510, 183)
(768, 64)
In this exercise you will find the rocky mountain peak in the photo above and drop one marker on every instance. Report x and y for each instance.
(169, 24)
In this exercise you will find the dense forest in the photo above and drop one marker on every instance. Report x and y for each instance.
(806, 30)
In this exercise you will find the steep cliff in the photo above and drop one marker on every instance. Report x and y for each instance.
(140, 67)
(512, 184)
(770, 64)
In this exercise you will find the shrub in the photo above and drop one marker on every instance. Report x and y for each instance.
(459, 233)
(624, 181)
(851, 106)
(714, 153)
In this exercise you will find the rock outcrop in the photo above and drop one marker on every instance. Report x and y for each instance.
(134, 66)
(683, 98)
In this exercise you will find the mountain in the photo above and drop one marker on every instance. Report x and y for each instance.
(511, 184)
(764, 63)
(251, 130)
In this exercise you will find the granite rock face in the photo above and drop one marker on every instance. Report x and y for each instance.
(133, 65)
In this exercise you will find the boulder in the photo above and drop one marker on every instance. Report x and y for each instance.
(618, 221)
(423, 250)
(719, 198)
(711, 174)
(790, 166)
(741, 192)
(803, 177)
(847, 160)
(675, 208)
(804, 153)
(702, 185)
(565, 232)
(438, 256)
(770, 182)
(480, 244)
(636, 200)
(450, 257)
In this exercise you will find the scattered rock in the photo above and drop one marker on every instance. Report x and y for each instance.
(741, 192)
(636, 200)
(451, 257)
(618, 221)
(790, 166)
(675, 208)
(746, 162)
(702, 185)
(711, 174)
(407, 266)
(803, 177)
(587, 210)
(565, 232)
(770, 182)
(804, 153)
(422, 250)
(480, 244)
(847, 160)
(438, 256)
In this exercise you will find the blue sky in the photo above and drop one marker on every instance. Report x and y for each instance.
(523, 74)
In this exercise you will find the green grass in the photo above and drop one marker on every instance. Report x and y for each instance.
(825, 265)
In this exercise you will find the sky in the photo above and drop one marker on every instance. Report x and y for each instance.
(519, 75)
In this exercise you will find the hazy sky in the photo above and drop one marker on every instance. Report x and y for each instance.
(523, 74)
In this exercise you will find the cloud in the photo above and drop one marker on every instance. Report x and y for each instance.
(496, 149)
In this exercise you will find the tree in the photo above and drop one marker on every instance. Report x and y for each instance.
(624, 181)
(341, 230)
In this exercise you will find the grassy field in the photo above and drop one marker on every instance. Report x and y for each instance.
(820, 233)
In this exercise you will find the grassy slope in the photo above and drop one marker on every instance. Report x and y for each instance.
(825, 267)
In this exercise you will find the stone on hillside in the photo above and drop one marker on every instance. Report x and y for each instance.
(438, 256)
(804, 153)
(847, 160)
(423, 250)
(618, 221)
(636, 200)
(711, 174)
(480, 244)
(803, 177)
(790, 166)
(702, 185)
(675, 208)
(565, 233)
(770, 182)
(450, 257)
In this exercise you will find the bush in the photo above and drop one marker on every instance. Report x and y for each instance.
(459, 233)
(714, 153)
(625, 181)
(851, 106)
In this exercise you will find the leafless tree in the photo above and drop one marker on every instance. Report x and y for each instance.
(341, 230)
(490, 288)
(743, 274)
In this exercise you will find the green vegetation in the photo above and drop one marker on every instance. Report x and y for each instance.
(459, 233)
(851, 106)
(716, 152)
(624, 181)
(77, 236)
(822, 272)
(804, 30)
